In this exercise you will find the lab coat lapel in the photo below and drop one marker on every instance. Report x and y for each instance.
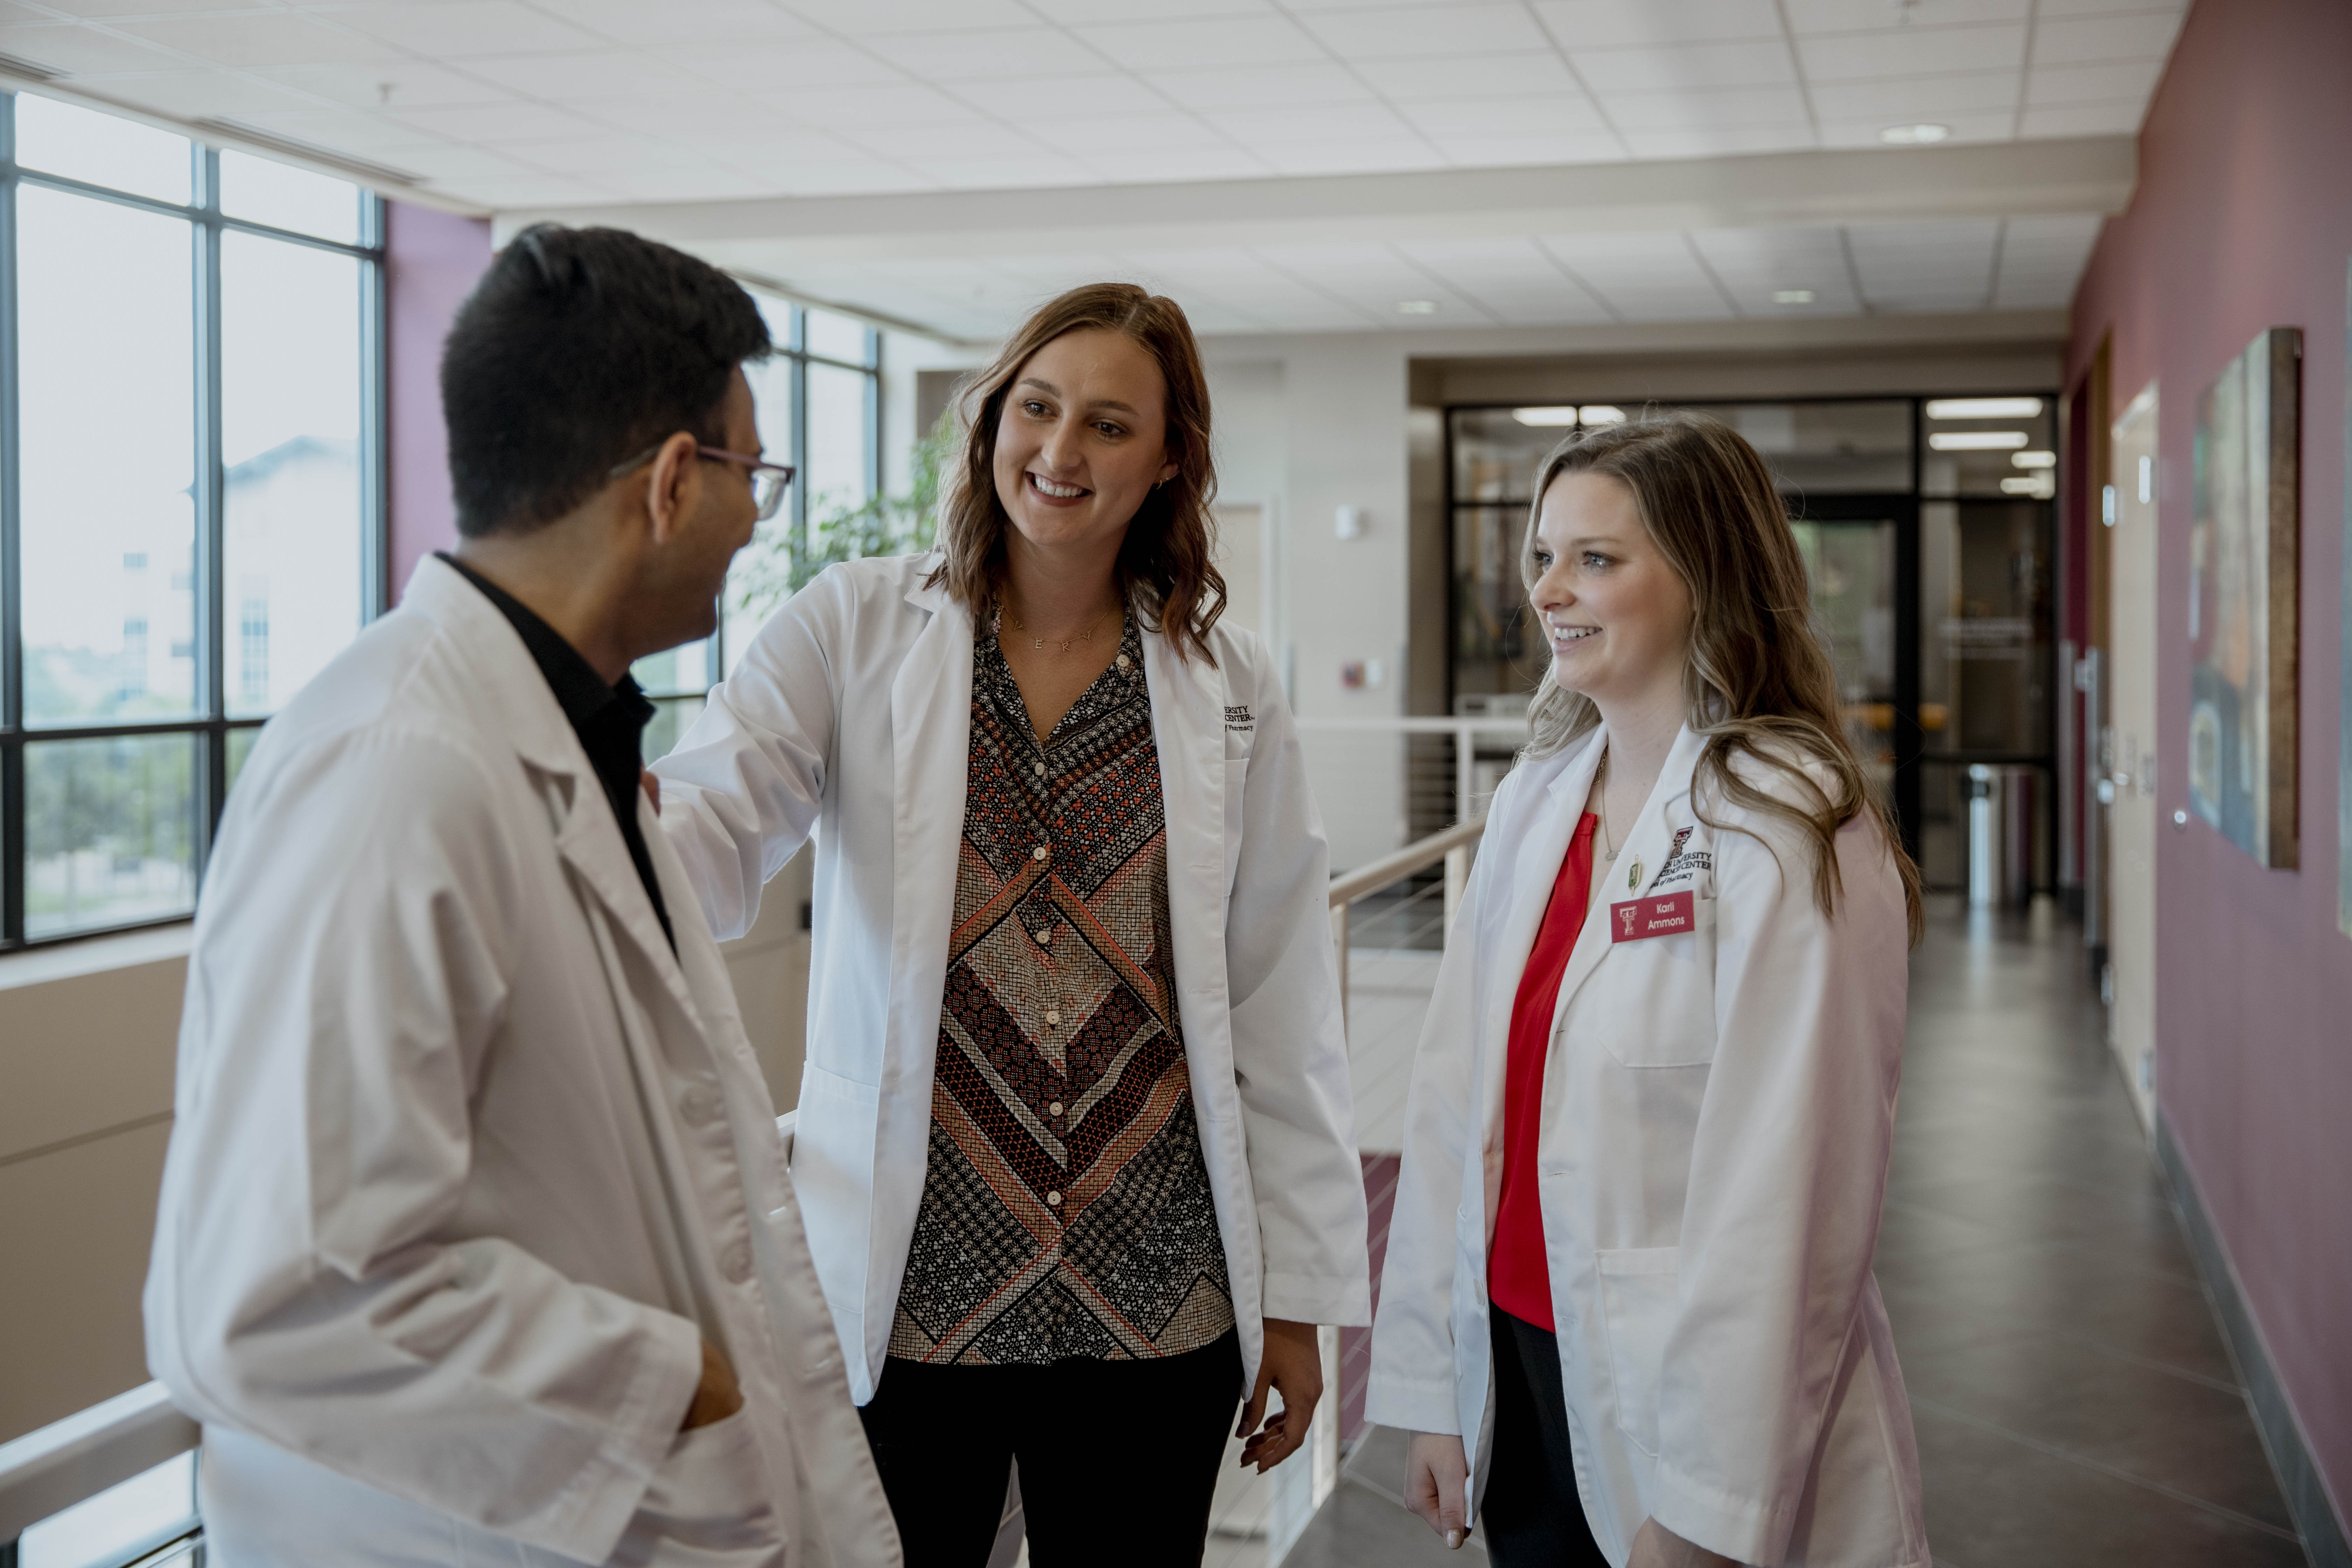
(1638, 863)
(1188, 729)
(930, 731)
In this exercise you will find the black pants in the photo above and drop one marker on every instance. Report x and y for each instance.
(1118, 1458)
(1531, 1516)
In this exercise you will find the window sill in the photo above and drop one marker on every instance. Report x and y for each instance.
(97, 955)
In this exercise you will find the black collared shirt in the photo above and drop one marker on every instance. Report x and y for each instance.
(609, 719)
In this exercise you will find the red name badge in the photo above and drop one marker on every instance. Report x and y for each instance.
(1652, 917)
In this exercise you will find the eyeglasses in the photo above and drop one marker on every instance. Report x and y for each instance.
(769, 480)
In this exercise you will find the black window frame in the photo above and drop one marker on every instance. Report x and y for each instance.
(212, 727)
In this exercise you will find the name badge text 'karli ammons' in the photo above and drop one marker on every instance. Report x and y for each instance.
(1662, 916)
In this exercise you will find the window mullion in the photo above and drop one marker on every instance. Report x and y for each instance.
(11, 674)
(211, 497)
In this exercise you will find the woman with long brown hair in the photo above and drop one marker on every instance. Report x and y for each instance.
(1627, 1310)
(1074, 1149)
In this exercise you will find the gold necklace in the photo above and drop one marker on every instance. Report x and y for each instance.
(1035, 641)
(1601, 786)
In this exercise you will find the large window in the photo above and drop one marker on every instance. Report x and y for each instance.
(819, 401)
(190, 492)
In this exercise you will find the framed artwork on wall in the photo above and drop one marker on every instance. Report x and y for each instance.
(2243, 550)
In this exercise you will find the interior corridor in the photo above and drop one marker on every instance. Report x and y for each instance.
(2075, 1404)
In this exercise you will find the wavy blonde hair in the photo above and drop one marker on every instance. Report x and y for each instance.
(1757, 681)
(1167, 567)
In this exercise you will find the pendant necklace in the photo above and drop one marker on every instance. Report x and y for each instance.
(1064, 644)
(1601, 784)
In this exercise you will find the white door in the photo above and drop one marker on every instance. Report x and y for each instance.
(2130, 753)
(1240, 557)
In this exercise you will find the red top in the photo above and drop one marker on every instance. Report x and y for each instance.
(1519, 1281)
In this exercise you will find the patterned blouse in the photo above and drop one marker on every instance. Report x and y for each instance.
(1066, 1209)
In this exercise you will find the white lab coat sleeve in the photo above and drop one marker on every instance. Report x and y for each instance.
(336, 1030)
(1290, 1046)
(742, 790)
(1413, 1383)
(1788, 1172)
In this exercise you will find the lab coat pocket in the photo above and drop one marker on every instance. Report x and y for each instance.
(1653, 1000)
(831, 1170)
(1637, 1309)
(708, 1504)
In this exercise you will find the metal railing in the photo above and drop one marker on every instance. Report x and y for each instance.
(48, 1471)
(1451, 847)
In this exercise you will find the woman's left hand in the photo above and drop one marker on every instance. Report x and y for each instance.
(1292, 1364)
(1656, 1546)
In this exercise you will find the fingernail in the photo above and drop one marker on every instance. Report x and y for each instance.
(1454, 1539)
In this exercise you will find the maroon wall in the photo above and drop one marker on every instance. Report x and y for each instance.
(2242, 220)
(430, 262)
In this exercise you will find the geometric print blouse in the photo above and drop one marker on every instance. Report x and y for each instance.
(1066, 1210)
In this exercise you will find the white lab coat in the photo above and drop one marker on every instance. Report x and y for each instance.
(850, 716)
(467, 1164)
(1717, 1109)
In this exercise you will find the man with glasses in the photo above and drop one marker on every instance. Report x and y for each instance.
(477, 1241)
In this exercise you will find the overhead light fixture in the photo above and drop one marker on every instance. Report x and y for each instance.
(1914, 135)
(2028, 485)
(1601, 414)
(1416, 307)
(1983, 408)
(1792, 296)
(1563, 415)
(2035, 459)
(1976, 440)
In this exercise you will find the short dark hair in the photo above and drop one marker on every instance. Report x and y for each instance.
(578, 349)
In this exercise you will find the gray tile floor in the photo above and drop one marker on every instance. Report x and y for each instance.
(2074, 1403)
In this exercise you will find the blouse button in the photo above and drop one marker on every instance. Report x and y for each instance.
(1124, 662)
(1041, 769)
(1055, 1199)
(1046, 936)
(1053, 1015)
(1054, 1108)
(1039, 852)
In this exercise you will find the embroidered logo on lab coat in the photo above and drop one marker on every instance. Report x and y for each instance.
(1240, 719)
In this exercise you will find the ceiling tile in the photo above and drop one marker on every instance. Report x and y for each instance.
(865, 17)
(895, 104)
(1523, 150)
(1752, 62)
(77, 50)
(2133, 36)
(1419, 33)
(1970, 125)
(1876, 15)
(1691, 111)
(741, 124)
(1097, 91)
(1160, 165)
(960, 171)
(827, 177)
(1720, 141)
(1554, 115)
(1349, 157)
(703, 185)
(2083, 120)
(392, 84)
(1755, 264)
(1217, 41)
(781, 71)
(1511, 279)
(1072, 12)
(1919, 97)
(2132, 79)
(973, 138)
(445, 163)
(634, 22)
(372, 137)
(992, 52)
(1642, 277)
(211, 95)
(1258, 87)
(524, 189)
(1369, 276)
(1112, 138)
(1263, 128)
(1465, 76)
(592, 157)
(101, 9)
(1925, 265)
(1603, 24)
(475, 27)
(582, 78)
(258, 38)
(1912, 51)
(488, 123)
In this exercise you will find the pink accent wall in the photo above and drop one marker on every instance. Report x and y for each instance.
(432, 260)
(2241, 221)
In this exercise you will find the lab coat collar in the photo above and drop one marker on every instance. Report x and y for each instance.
(526, 714)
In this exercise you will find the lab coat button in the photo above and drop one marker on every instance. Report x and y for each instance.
(701, 1106)
(735, 1262)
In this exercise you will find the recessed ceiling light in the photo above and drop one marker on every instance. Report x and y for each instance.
(1983, 408)
(2035, 459)
(2028, 485)
(1914, 135)
(1564, 414)
(1416, 307)
(1976, 440)
(1601, 414)
(1792, 296)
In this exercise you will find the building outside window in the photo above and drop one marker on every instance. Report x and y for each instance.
(190, 499)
